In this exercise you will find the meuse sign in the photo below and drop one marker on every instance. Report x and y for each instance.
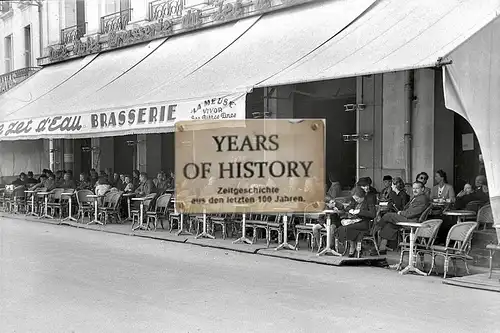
(250, 166)
(148, 118)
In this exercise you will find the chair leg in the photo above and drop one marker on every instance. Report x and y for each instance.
(491, 264)
(433, 263)
(401, 257)
(297, 240)
(446, 264)
(467, 267)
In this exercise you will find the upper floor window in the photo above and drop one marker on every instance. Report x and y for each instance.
(8, 54)
(5, 6)
(27, 46)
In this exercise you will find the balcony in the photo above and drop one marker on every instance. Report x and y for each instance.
(11, 79)
(116, 21)
(73, 33)
(161, 9)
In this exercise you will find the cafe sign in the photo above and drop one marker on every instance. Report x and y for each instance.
(166, 18)
(259, 166)
(138, 119)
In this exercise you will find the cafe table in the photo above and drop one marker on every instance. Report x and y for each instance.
(243, 239)
(460, 214)
(32, 212)
(46, 205)
(328, 249)
(141, 214)
(412, 256)
(70, 203)
(129, 196)
(204, 233)
(95, 197)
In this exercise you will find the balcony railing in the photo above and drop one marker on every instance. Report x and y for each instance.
(11, 79)
(70, 34)
(165, 8)
(116, 21)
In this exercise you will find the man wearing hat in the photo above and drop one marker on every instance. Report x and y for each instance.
(384, 195)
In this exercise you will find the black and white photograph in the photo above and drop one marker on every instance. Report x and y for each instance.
(215, 166)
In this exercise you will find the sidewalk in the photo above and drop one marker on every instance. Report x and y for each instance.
(259, 248)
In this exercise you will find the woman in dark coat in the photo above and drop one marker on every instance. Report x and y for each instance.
(362, 211)
(398, 198)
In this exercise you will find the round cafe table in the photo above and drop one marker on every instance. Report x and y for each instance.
(32, 212)
(328, 249)
(70, 203)
(46, 205)
(460, 214)
(412, 255)
(95, 197)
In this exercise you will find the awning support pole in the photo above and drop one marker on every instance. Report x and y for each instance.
(409, 96)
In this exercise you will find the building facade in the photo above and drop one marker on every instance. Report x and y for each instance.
(386, 122)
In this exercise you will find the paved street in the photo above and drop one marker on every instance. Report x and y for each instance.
(62, 279)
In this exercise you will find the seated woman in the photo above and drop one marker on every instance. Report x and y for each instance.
(358, 222)
(371, 193)
(442, 190)
(334, 190)
(398, 198)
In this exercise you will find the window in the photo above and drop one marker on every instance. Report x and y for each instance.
(9, 61)
(69, 13)
(27, 46)
(112, 6)
(5, 6)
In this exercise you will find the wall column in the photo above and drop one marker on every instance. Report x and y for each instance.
(369, 121)
(68, 155)
(149, 153)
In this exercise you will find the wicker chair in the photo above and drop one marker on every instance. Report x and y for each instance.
(111, 206)
(485, 216)
(275, 223)
(17, 201)
(457, 246)
(425, 238)
(149, 201)
(85, 205)
(223, 220)
(160, 211)
(55, 203)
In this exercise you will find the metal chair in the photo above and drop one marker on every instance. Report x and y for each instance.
(457, 246)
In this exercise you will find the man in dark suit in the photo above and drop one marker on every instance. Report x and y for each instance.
(411, 213)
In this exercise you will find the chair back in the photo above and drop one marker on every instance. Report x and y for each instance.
(149, 201)
(474, 205)
(459, 236)
(116, 199)
(81, 197)
(162, 203)
(56, 194)
(485, 215)
(425, 214)
(426, 235)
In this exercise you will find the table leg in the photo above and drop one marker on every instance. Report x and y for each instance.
(70, 214)
(46, 208)
(95, 220)
(412, 256)
(204, 233)
(181, 230)
(32, 213)
(285, 245)
(328, 249)
(141, 218)
(128, 209)
(243, 239)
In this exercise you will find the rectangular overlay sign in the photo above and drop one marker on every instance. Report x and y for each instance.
(137, 119)
(261, 166)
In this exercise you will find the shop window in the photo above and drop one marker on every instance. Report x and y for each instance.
(5, 6)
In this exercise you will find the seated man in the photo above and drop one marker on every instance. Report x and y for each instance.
(479, 193)
(67, 182)
(387, 224)
(146, 186)
(31, 180)
(20, 181)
